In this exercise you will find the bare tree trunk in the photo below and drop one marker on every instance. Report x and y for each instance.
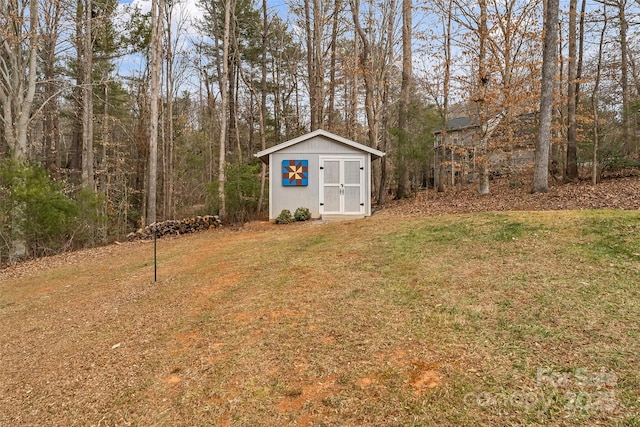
(571, 172)
(156, 53)
(19, 71)
(384, 134)
(594, 101)
(318, 80)
(208, 108)
(368, 75)
(234, 113)
(405, 99)
(18, 67)
(50, 35)
(541, 168)
(224, 114)
(624, 77)
(384, 138)
(332, 72)
(580, 50)
(353, 104)
(439, 155)
(278, 102)
(75, 161)
(170, 80)
(261, 108)
(103, 169)
(232, 124)
(88, 175)
(560, 149)
(634, 74)
(263, 102)
(483, 161)
(311, 63)
(580, 56)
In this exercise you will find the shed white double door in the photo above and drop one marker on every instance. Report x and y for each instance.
(342, 186)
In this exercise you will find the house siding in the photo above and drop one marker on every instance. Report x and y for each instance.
(511, 148)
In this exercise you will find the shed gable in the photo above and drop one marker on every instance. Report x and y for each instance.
(315, 138)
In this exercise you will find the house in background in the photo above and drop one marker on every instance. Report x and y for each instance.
(510, 145)
(323, 172)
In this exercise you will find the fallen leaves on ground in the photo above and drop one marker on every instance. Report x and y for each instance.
(620, 193)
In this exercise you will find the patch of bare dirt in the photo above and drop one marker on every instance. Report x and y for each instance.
(505, 195)
(424, 377)
(300, 399)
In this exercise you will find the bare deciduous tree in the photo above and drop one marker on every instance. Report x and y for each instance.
(594, 101)
(18, 71)
(154, 97)
(88, 179)
(50, 33)
(571, 172)
(541, 167)
(405, 96)
(481, 101)
(224, 101)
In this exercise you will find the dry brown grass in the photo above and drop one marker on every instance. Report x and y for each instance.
(423, 321)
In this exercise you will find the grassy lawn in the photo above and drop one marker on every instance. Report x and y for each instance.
(519, 318)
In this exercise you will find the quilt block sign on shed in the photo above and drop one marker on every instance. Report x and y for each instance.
(295, 173)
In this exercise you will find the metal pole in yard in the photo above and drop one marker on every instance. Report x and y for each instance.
(155, 259)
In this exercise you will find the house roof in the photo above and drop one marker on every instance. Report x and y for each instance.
(459, 123)
(264, 154)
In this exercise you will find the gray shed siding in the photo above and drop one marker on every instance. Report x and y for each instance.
(313, 150)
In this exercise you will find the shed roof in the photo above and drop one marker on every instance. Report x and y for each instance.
(264, 154)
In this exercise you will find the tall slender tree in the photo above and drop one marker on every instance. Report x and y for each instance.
(405, 98)
(168, 140)
(438, 84)
(595, 94)
(331, 109)
(224, 101)
(50, 33)
(571, 172)
(386, 113)
(157, 7)
(621, 5)
(541, 167)
(481, 101)
(18, 69)
(263, 101)
(88, 178)
(315, 12)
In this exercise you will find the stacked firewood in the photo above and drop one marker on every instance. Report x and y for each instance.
(176, 227)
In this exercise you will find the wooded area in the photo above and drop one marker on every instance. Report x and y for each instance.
(114, 117)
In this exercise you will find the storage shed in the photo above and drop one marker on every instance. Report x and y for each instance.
(326, 173)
